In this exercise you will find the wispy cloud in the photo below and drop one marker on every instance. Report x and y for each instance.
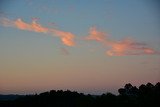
(98, 36)
(130, 47)
(123, 47)
(126, 46)
(66, 37)
(34, 26)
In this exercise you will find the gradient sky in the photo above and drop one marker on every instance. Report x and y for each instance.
(91, 46)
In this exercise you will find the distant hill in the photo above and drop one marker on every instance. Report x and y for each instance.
(9, 97)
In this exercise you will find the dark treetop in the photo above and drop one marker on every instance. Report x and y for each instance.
(129, 96)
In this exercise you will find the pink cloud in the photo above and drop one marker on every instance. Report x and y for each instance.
(67, 38)
(96, 35)
(126, 46)
(130, 47)
(6, 22)
(34, 26)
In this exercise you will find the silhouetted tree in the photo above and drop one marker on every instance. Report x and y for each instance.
(129, 96)
(122, 91)
(128, 86)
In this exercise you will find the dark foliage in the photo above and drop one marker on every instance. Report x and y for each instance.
(130, 96)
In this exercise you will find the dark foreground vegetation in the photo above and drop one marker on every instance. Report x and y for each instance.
(130, 96)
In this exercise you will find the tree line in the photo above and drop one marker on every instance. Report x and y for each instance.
(147, 95)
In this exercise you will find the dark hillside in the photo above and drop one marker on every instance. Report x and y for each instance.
(130, 96)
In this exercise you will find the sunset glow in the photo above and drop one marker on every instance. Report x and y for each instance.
(91, 46)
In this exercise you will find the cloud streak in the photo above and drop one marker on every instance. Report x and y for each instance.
(67, 38)
(124, 47)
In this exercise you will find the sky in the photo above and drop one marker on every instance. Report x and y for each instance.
(90, 46)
